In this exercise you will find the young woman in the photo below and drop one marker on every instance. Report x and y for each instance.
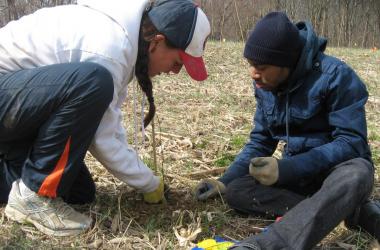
(64, 73)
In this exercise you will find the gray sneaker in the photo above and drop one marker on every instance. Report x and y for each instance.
(50, 216)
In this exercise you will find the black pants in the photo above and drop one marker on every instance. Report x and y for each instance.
(306, 219)
(49, 116)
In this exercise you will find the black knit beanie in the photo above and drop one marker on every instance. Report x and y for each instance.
(275, 41)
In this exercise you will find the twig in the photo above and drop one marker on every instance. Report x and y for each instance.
(170, 135)
(125, 231)
(178, 177)
(162, 152)
(205, 173)
(238, 18)
(154, 147)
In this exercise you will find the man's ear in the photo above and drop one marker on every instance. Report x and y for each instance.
(157, 39)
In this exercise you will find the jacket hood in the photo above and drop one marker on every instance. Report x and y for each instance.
(312, 45)
(127, 13)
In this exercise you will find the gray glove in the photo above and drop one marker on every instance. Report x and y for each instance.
(209, 188)
(264, 169)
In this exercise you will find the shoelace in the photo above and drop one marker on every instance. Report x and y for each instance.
(61, 207)
(56, 204)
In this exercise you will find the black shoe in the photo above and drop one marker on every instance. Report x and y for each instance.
(369, 218)
(247, 244)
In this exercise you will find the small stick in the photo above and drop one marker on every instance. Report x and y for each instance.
(154, 147)
(204, 173)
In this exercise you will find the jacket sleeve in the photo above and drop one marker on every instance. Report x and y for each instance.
(345, 104)
(260, 144)
(110, 145)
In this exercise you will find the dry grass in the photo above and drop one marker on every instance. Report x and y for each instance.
(199, 127)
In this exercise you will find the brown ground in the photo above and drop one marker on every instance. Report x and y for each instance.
(199, 127)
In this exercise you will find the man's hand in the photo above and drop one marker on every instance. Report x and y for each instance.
(157, 195)
(208, 188)
(264, 169)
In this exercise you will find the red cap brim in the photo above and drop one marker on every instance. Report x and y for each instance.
(194, 66)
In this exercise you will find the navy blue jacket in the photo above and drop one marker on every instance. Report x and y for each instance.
(320, 114)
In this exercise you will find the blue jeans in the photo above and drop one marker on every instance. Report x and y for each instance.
(49, 116)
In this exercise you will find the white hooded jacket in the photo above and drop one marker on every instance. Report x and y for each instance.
(104, 32)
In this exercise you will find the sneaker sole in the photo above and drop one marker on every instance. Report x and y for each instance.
(15, 215)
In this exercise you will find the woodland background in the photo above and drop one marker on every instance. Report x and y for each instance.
(346, 23)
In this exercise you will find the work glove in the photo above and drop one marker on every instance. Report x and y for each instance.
(264, 170)
(209, 188)
(157, 195)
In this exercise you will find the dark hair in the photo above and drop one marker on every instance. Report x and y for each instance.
(147, 33)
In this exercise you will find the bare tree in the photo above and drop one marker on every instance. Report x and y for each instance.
(343, 22)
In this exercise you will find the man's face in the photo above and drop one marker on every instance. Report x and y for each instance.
(268, 77)
(163, 59)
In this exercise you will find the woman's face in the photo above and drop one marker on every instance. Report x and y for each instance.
(163, 59)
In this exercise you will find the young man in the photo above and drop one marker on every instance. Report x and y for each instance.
(64, 74)
(315, 103)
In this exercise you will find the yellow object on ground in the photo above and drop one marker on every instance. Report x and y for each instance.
(211, 244)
